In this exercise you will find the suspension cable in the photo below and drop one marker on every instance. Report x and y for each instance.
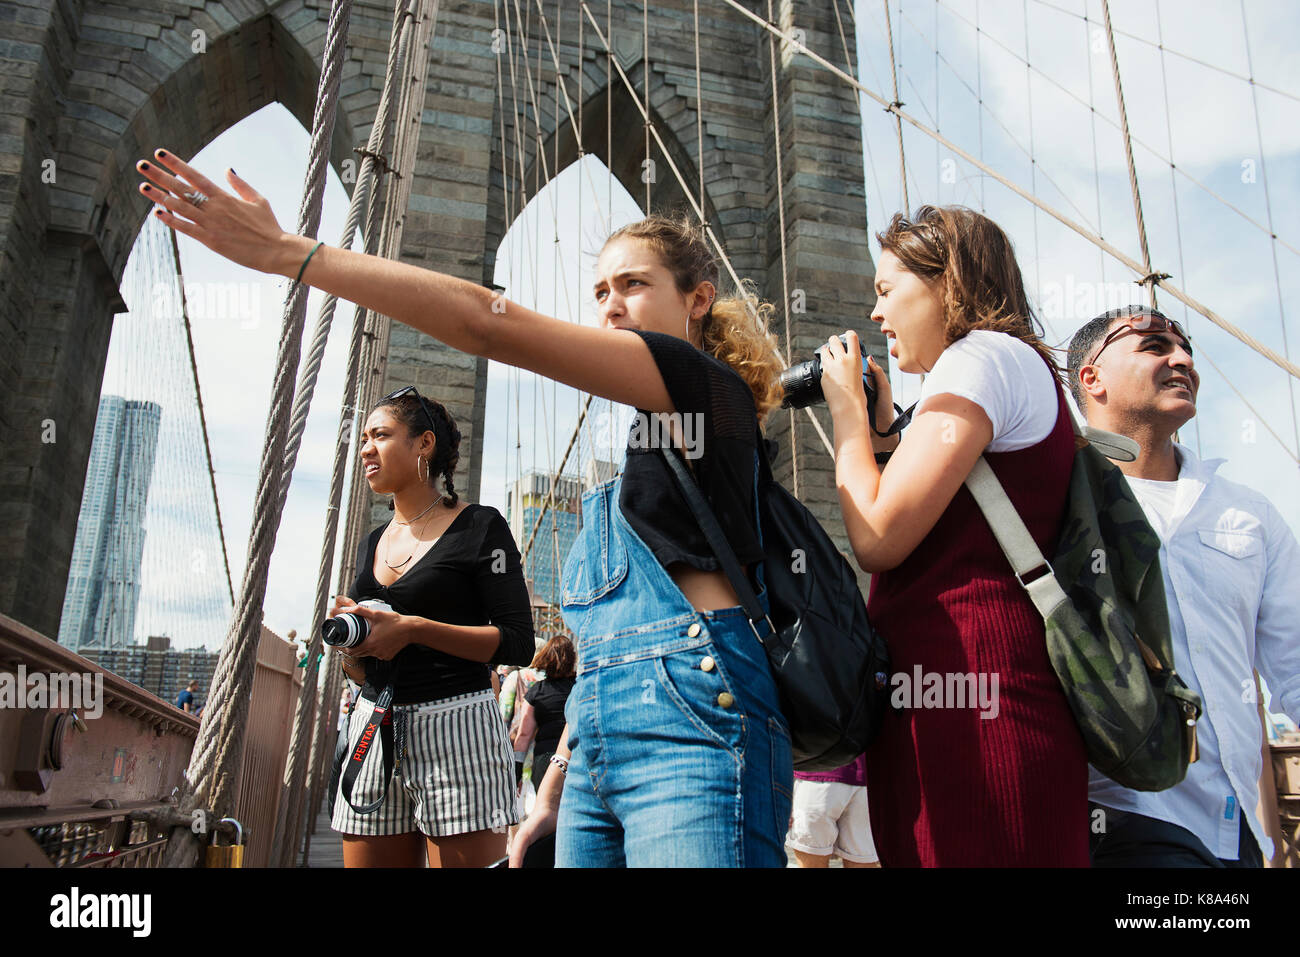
(894, 106)
(203, 423)
(1122, 257)
(708, 229)
(1268, 209)
(1178, 170)
(1146, 279)
(780, 210)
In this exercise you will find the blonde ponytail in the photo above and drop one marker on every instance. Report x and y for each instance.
(735, 331)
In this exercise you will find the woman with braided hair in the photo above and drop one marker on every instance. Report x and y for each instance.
(451, 573)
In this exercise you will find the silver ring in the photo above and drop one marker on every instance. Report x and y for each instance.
(197, 198)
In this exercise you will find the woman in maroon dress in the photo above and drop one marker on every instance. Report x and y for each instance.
(979, 763)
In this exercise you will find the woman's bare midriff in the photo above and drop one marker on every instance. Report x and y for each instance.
(706, 591)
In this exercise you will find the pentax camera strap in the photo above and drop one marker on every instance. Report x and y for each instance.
(380, 724)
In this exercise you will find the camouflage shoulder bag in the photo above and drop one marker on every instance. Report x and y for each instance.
(1102, 599)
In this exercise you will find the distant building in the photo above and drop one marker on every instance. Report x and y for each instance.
(557, 526)
(157, 668)
(103, 591)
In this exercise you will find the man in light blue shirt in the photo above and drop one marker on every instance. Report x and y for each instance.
(1232, 580)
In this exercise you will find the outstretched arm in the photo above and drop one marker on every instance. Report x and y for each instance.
(546, 809)
(612, 363)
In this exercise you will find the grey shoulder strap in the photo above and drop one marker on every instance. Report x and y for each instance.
(1013, 536)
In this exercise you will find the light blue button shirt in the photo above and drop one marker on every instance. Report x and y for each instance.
(1232, 578)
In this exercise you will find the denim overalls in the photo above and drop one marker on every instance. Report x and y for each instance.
(681, 756)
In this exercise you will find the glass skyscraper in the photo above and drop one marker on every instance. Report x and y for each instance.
(558, 527)
(104, 579)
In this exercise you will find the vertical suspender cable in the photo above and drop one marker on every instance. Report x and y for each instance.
(214, 767)
(1148, 278)
(609, 168)
(646, 173)
(1173, 189)
(857, 97)
(609, 111)
(520, 200)
(1092, 125)
(937, 126)
(979, 90)
(497, 46)
(699, 104)
(288, 827)
(1033, 160)
(203, 424)
(553, 577)
(780, 210)
(1268, 208)
(895, 106)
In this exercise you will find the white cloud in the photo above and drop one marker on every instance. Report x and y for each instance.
(1214, 254)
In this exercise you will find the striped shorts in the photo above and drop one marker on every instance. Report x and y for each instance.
(456, 776)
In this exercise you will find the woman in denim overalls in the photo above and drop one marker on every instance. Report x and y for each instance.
(681, 756)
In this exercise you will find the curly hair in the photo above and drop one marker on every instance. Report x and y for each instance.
(972, 260)
(735, 329)
(410, 410)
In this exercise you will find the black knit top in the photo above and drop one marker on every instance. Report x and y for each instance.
(470, 576)
(721, 437)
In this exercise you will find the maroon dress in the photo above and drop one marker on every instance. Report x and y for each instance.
(947, 787)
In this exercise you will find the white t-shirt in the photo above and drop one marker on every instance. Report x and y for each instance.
(1004, 376)
(1159, 500)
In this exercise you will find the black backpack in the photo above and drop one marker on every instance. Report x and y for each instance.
(830, 666)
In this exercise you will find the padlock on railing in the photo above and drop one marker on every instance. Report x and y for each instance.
(226, 855)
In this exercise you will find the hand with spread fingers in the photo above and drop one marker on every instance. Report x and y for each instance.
(240, 227)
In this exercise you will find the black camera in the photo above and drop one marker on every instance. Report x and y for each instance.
(802, 383)
(350, 629)
(802, 386)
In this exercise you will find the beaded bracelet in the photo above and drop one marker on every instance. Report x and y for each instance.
(561, 763)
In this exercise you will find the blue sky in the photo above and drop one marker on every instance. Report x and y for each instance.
(1059, 111)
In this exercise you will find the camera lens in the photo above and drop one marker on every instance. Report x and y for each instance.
(801, 384)
(344, 631)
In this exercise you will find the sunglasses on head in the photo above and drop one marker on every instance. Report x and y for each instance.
(1146, 322)
(412, 390)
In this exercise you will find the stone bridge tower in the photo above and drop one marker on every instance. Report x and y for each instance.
(89, 87)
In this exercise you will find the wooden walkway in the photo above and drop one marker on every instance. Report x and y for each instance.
(326, 844)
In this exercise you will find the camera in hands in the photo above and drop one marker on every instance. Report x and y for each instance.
(802, 383)
(802, 386)
(349, 629)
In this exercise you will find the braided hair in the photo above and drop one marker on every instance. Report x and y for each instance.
(407, 409)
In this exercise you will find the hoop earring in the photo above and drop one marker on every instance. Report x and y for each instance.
(418, 460)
